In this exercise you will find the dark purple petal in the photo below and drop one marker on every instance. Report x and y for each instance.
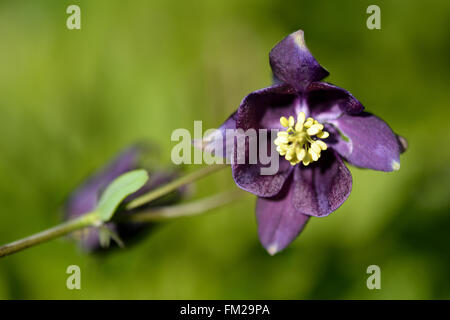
(293, 63)
(321, 187)
(262, 109)
(249, 178)
(327, 101)
(335, 139)
(367, 141)
(279, 223)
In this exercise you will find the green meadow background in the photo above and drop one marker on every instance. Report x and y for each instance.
(70, 99)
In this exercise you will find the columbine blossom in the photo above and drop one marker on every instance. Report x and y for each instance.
(85, 198)
(319, 125)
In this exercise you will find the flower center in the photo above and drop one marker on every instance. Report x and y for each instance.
(301, 140)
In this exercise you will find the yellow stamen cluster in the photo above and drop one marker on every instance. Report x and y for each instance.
(300, 142)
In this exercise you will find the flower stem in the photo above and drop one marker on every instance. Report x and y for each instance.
(184, 210)
(171, 186)
(49, 234)
(93, 219)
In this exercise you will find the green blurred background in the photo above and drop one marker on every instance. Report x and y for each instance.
(69, 100)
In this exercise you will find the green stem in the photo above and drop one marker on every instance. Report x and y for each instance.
(184, 210)
(92, 218)
(49, 234)
(174, 185)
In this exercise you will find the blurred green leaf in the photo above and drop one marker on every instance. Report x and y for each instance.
(118, 190)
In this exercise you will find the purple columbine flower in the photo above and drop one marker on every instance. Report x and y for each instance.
(85, 198)
(319, 125)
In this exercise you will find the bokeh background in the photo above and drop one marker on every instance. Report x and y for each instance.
(69, 100)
